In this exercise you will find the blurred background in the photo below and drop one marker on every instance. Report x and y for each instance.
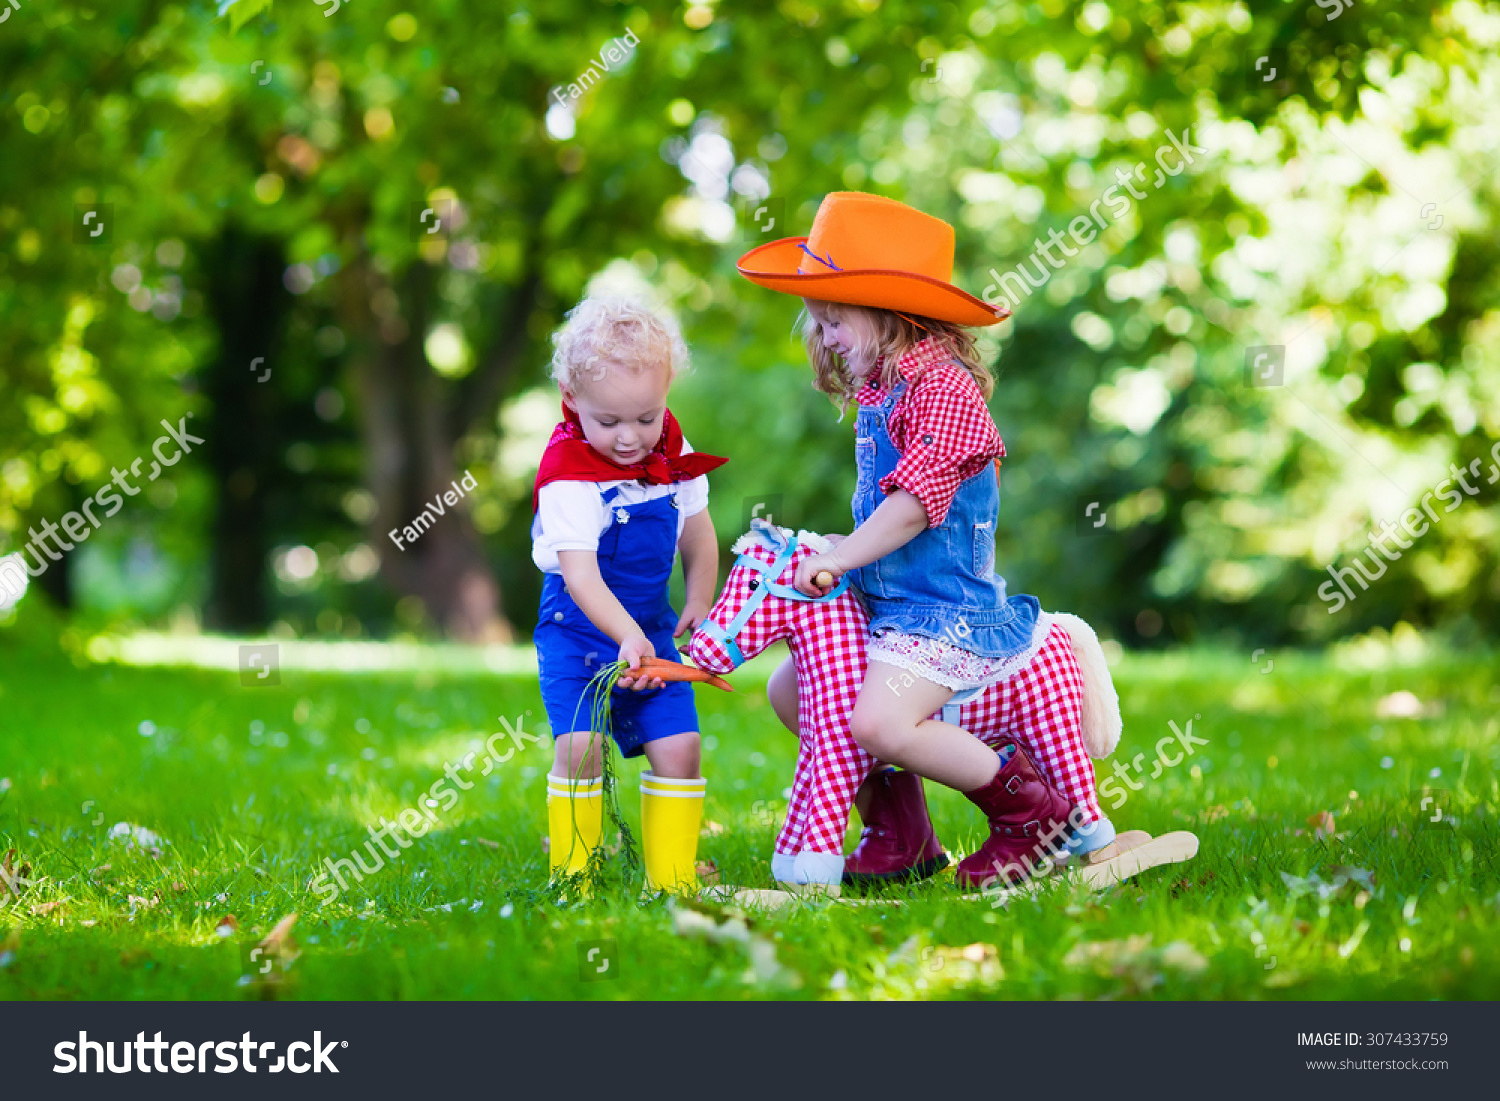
(336, 237)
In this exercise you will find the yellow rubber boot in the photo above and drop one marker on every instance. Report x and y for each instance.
(671, 815)
(575, 822)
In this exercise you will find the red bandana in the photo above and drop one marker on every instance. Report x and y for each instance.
(569, 457)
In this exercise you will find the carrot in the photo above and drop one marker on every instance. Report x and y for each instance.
(676, 671)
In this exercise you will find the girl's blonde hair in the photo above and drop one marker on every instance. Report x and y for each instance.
(605, 331)
(887, 336)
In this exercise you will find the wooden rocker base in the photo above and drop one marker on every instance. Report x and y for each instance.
(1131, 853)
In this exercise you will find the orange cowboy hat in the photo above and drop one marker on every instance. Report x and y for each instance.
(865, 250)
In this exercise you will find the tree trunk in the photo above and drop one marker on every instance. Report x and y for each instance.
(409, 444)
(249, 305)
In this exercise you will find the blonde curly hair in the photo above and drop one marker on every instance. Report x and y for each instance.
(615, 331)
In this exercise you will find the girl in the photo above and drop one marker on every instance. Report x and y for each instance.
(618, 495)
(885, 327)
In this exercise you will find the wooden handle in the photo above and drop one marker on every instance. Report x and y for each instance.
(824, 580)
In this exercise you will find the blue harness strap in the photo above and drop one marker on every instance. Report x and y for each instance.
(725, 636)
(950, 709)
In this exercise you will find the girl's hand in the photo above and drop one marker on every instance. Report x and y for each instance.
(632, 650)
(813, 565)
(694, 612)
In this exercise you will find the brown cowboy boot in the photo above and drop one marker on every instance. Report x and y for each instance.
(898, 843)
(1027, 817)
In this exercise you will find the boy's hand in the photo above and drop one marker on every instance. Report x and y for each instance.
(632, 650)
(694, 612)
(813, 565)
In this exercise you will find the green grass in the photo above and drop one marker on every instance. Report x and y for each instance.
(249, 823)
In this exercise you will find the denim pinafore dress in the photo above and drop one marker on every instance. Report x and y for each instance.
(942, 584)
(636, 554)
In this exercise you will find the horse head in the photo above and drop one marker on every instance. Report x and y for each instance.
(755, 606)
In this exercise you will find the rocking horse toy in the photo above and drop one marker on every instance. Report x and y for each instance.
(828, 635)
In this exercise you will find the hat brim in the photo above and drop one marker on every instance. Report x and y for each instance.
(774, 266)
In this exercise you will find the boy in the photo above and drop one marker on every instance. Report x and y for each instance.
(618, 495)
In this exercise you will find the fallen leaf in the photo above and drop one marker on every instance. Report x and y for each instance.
(14, 879)
(179, 887)
(148, 841)
(1322, 824)
(486, 842)
(279, 939)
(546, 844)
(946, 965)
(1183, 885)
(101, 869)
(42, 909)
(1283, 977)
(720, 926)
(228, 926)
(708, 872)
(1135, 961)
(712, 828)
(1346, 880)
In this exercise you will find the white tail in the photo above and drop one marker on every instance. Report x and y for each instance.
(1101, 703)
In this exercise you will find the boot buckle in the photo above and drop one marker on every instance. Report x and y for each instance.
(1013, 785)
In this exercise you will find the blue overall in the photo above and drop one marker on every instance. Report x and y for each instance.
(635, 555)
(942, 584)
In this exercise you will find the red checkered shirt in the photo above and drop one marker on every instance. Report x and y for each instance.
(940, 425)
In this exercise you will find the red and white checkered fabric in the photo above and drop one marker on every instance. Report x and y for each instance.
(1040, 707)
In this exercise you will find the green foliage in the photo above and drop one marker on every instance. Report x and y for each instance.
(1311, 221)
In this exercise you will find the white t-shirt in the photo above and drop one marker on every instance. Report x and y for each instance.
(572, 515)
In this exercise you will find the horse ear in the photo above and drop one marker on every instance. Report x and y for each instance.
(769, 533)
